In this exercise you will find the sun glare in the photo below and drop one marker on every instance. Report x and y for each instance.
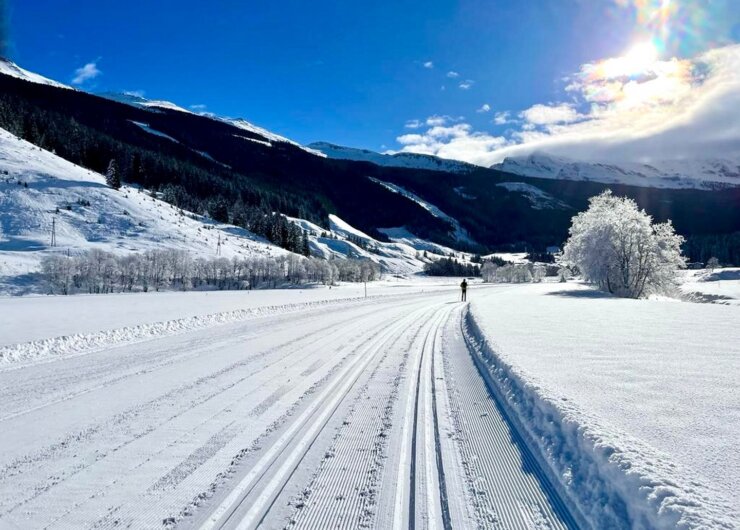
(640, 59)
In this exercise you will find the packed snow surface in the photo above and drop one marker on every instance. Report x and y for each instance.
(634, 401)
(360, 413)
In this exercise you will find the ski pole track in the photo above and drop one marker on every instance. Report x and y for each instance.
(509, 487)
(280, 461)
(343, 492)
(66, 446)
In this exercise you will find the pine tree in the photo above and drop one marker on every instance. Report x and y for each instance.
(112, 178)
(306, 248)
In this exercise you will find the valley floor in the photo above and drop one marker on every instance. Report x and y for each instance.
(407, 409)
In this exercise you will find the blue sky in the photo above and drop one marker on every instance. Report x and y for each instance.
(348, 72)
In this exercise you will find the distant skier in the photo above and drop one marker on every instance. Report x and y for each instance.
(464, 287)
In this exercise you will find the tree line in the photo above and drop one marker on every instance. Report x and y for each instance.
(99, 272)
(451, 267)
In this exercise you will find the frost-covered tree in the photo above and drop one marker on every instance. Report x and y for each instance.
(112, 178)
(712, 263)
(617, 247)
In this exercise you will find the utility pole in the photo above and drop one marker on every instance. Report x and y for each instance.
(53, 231)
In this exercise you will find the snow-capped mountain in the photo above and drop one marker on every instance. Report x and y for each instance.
(8, 67)
(409, 160)
(676, 174)
(156, 105)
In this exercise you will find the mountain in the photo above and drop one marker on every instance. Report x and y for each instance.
(708, 174)
(238, 173)
(407, 160)
(11, 69)
(43, 196)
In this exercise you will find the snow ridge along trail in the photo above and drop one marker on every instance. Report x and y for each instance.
(359, 415)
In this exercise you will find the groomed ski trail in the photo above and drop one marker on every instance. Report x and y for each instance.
(350, 416)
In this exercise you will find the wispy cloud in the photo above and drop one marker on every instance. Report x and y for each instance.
(413, 124)
(452, 74)
(502, 118)
(484, 108)
(465, 85)
(86, 73)
(429, 64)
(198, 107)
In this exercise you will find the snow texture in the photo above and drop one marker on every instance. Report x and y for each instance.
(632, 404)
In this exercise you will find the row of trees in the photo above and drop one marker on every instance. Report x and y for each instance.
(513, 273)
(450, 267)
(97, 272)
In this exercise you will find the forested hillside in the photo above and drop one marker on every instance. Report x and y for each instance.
(236, 174)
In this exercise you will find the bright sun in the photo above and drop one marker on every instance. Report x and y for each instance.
(640, 59)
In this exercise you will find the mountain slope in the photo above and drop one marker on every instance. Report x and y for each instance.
(239, 173)
(708, 174)
(407, 160)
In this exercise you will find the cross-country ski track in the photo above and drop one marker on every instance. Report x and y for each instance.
(364, 414)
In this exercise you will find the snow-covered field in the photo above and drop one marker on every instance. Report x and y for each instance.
(536, 406)
(721, 286)
(636, 403)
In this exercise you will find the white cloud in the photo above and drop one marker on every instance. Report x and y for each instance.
(135, 93)
(502, 118)
(484, 108)
(429, 64)
(452, 74)
(199, 107)
(86, 73)
(413, 124)
(465, 85)
(550, 114)
(679, 108)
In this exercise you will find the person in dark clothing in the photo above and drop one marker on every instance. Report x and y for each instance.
(464, 287)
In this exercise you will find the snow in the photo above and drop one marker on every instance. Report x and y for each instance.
(145, 127)
(406, 160)
(346, 412)
(346, 229)
(459, 233)
(42, 189)
(720, 286)
(512, 257)
(539, 199)
(240, 123)
(632, 401)
(697, 174)
(10, 68)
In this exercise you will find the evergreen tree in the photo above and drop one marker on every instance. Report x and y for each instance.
(306, 248)
(112, 178)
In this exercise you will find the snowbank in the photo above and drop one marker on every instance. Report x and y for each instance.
(632, 405)
(82, 343)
